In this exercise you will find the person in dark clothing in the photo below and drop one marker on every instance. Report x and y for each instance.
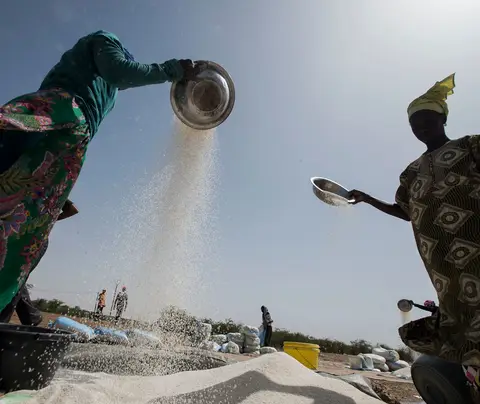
(27, 313)
(267, 325)
(121, 303)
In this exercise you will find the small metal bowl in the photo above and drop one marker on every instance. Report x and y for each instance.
(330, 192)
(206, 101)
(405, 305)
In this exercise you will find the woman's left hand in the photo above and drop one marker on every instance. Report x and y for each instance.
(358, 196)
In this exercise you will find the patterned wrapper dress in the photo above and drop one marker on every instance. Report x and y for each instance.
(34, 189)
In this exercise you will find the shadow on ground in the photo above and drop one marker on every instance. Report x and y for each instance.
(236, 390)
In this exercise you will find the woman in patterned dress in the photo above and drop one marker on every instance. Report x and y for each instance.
(44, 137)
(439, 193)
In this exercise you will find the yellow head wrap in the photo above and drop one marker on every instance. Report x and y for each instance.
(435, 98)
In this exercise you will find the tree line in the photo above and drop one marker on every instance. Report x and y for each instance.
(58, 307)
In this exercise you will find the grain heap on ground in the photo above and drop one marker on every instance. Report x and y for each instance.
(275, 379)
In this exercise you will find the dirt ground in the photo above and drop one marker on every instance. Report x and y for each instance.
(389, 388)
(46, 318)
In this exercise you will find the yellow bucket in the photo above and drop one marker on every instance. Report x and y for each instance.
(306, 354)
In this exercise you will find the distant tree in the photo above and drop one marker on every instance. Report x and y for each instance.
(223, 327)
(360, 346)
(54, 305)
(40, 304)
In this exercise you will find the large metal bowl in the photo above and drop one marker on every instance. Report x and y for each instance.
(207, 100)
(330, 192)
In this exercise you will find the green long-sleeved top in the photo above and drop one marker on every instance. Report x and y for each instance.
(97, 67)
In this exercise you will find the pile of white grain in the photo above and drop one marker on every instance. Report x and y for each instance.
(269, 379)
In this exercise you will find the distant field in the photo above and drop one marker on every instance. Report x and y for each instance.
(46, 318)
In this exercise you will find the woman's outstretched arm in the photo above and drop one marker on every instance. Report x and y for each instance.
(122, 72)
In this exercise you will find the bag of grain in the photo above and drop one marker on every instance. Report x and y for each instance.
(360, 362)
(393, 366)
(251, 348)
(376, 359)
(248, 330)
(236, 337)
(210, 346)
(220, 339)
(250, 340)
(230, 347)
(389, 354)
(383, 368)
(267, 350)
(405, 373)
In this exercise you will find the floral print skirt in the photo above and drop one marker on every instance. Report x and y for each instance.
(34, 188)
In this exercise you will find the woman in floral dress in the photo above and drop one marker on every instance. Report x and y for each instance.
(44, 137)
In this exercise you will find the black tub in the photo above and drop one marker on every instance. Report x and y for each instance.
(439, 381)
(30, 356)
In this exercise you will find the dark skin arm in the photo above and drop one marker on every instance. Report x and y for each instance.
(388, 208)
(68, 210)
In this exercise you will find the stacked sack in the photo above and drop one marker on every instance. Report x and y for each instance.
(219, 339)
(397, 365)
(230, 347)
(392, 358)
(378, 362)
(210, 346)
(221, 343)
(267, 350)
(251, 340)
(361, 362)
(236, 338)
(381, 359)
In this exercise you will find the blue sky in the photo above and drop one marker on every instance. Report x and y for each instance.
(322, 89)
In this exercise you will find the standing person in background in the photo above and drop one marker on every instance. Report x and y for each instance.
(101, 301)
(121, 302)
(44, 137)
(267, 325)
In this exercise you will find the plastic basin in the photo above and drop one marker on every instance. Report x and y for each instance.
(30, 356)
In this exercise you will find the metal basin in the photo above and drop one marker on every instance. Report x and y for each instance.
(207, 100)
(330, 192)
(405, 305)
